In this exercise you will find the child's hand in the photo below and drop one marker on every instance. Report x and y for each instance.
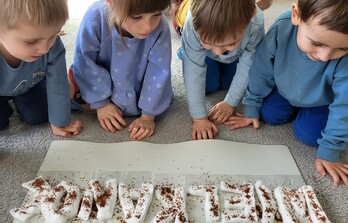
(142, 127)
(73, 128)
(337, 170)
(220, 112)
(110, 118)
(203, 129)
(238, 121)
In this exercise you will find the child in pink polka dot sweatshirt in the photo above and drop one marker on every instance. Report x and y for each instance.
(122, 64)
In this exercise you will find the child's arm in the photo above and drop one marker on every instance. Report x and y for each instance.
(194, 72)
(253, 36)
(58, 97)
(93, 79)
(156, 91)
(335, 134)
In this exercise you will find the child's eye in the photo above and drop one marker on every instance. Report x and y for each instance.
(344, 49)
(30, 42)
(137, 17)
(316, 44)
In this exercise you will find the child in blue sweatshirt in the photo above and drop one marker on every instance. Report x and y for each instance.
(32, 65)
(300, 74)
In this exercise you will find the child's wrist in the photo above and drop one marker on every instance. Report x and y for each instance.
(148, 117)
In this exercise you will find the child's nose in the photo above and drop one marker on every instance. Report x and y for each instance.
(147, 25)
(43, 48)
(217, 51)
(325, 54)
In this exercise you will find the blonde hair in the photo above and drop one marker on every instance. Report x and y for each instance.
(121, 9)
(39, 13)
(216, 19)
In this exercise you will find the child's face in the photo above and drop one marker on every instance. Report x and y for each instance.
(27, 42)
(229, 44)
(139, 26)
(319, 43)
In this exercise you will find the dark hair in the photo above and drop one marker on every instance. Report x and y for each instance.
(331, 13)
(216, 19)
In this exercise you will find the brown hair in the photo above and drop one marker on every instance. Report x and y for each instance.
(39, 13)
(121, 9)
(331, 13)
(216, 19)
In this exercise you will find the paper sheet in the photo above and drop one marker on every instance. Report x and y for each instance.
(205, 162)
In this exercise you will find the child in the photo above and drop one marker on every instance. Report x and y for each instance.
(122, 63)
(219, 41)
(300, 74)
(32, 64)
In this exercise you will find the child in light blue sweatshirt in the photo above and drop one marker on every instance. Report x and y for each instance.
(300, 75)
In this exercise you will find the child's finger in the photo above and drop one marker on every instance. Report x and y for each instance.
(320, 168)
(146, 134)
(116, 124)
(108, 126)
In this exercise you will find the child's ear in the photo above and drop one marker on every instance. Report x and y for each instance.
(295, 15)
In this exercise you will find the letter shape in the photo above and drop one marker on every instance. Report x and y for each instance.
(173, 199)
(135, 214)
(212, 205)
(245, 211)
(39, 187)
(105, 198)
(269, 205)
(51, 205)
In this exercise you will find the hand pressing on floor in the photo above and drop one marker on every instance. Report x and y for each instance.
(142, 127)
(110, 118)
(337, 170)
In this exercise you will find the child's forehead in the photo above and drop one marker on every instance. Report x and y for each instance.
(316, 32)
(226, 41)
(29, 31)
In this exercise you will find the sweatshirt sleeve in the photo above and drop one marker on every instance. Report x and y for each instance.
(87, 71)
(156, 93)
(58, 97)
(261, 76)
(241, 78)
(194, 70)
(335, 135)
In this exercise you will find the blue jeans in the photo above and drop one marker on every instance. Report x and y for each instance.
(307, 122)
(219, 75)
(31, 106)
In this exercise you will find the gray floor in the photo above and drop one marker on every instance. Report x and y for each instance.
(23, 147)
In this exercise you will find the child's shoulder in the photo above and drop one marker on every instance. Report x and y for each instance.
(258, 19)
(283, 19)
(282, 24)
(96, 9)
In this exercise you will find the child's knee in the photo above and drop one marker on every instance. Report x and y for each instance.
(273, 116)
(211, 87)
(5, 115)
(4, 123)
(306, 135)
(34, 119)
